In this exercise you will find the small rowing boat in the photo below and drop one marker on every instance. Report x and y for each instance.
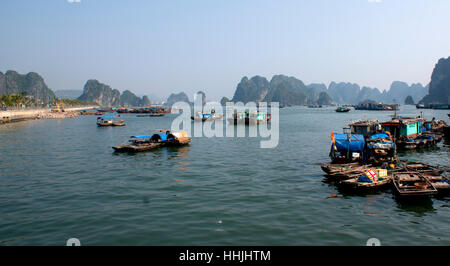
(412, 184)
(358, 183)
(108, 121)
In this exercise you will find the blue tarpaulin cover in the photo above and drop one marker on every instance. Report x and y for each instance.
(379, 136)
(106, 117)
(141, 136)
(356, 143)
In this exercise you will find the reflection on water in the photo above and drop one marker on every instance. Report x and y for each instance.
(419, 206)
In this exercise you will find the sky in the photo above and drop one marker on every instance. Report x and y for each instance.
(157, 47)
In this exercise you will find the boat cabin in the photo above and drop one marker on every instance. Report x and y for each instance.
(403, 127)
(366, 128)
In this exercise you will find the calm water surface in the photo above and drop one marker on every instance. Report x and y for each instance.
(60, 179)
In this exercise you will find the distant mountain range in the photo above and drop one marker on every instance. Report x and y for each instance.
(286, 90)
(292, 91)
(104, 95)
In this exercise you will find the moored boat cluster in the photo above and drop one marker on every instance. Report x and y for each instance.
(364, 157)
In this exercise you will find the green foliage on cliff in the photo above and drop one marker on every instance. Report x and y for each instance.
(31, 84)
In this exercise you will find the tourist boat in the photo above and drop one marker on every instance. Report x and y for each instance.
(252, 118)
(412, 184)
(202, 117)
(342, 109)
(106, 121)
(361, 184)
(150, 142)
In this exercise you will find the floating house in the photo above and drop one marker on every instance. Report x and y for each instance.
(403, 128)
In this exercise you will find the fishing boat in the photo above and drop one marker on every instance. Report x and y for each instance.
(346, 148)
(149, 142)
(106, 121)
(412, 184)
(360, 183)
(252, 118)
(342, 109)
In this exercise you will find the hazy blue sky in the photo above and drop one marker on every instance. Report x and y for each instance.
(188, 45)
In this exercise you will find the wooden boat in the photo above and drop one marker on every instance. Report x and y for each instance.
(422, 168)
(342, 109)
(108, 121)
(119, 123)
(412, 184)
(334, 167)
(356, 184)
(150, 142)
(441, 183)
(139, 144)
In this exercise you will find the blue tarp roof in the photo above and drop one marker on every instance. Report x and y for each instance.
(356, 143)
(106, 117)
(379, 136)
(141, 136)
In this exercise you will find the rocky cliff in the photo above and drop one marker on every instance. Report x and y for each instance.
(251, 90)
(31, 84)
(439, 90)
(174, 97)
(104, 95)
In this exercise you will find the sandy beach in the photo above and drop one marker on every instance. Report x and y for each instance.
(34, 114)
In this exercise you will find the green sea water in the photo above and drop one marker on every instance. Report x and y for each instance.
(60, 179)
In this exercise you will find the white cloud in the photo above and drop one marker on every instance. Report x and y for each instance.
(74, 1)
(374, 1)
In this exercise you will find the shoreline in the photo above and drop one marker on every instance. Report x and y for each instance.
(40, 114)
